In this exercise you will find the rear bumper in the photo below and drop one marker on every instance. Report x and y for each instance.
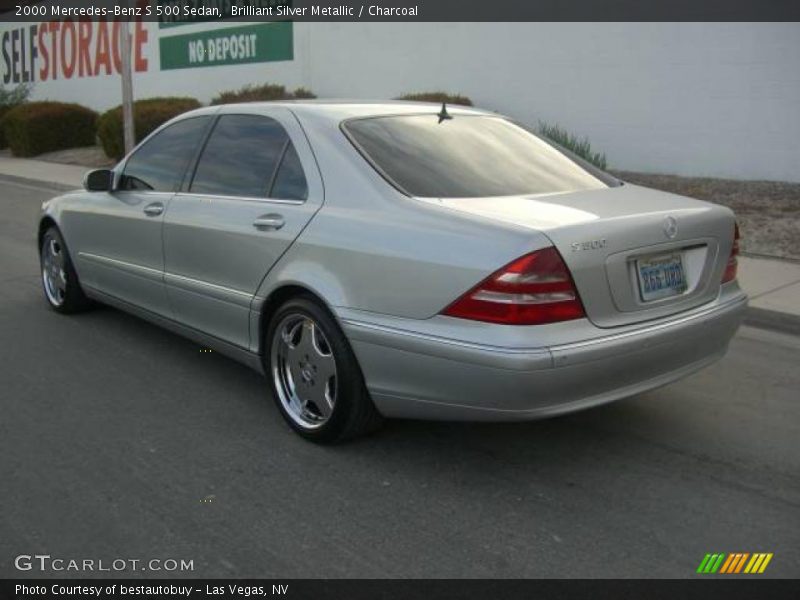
(414, 374)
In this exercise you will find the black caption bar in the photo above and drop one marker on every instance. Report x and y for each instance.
(407, 10)
(480, 589)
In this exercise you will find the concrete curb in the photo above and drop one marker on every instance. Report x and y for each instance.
(770, 257)
(772, 320)
(56, 187)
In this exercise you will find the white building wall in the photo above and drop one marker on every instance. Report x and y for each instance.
(707, 99)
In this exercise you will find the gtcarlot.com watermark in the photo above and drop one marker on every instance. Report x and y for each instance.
(47, 563)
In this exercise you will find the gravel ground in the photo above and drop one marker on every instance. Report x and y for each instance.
(768, 211)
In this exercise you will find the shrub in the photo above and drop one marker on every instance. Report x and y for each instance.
(260, 93)
(8, 100)
(303, 93)
(571, 142)
(148, 114)
(38, 127)
(438, 97)
(16, 95)
(252, 93)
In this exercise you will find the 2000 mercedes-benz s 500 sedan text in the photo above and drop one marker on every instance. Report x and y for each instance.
(399, 260)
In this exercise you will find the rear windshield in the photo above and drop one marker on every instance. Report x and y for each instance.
(468, 157)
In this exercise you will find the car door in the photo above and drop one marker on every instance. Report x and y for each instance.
(119, 236)
(253, 189)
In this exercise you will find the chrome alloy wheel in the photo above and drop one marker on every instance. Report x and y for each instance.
(54, 275)
(304, 370)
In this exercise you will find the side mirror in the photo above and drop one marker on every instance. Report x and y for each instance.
(99, 180)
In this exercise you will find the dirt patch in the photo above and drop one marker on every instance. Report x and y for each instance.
(768, 212)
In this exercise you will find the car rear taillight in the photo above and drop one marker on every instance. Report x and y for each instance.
(534, 289)
(733, 262)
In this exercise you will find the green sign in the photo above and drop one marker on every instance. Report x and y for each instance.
(263, 42)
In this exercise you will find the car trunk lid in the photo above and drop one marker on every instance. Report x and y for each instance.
(635, 254)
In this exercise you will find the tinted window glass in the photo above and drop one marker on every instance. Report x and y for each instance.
(290, 182)
(240, 157)
(160, 163)
(467, 156)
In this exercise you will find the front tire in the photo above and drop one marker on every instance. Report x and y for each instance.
(62, 290)
(314, 376)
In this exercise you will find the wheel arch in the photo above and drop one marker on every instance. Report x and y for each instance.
(45, 223)
(276, 298)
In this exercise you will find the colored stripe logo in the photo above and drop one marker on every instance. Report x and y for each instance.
(737, 562)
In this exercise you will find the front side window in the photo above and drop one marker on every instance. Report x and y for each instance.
(241, 157)
(159, 165)
(465, 157)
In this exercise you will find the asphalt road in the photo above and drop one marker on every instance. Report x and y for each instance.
(120, 440)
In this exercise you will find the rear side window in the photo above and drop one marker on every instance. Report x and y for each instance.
(241, 157)
(465, 157)
(159, 165)
(290, 181)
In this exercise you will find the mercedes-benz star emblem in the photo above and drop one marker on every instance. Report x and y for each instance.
(670, 227)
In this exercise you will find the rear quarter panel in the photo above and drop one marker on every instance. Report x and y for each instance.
(373, 249)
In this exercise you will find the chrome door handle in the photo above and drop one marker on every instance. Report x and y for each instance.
(154, 209)
(266, 222)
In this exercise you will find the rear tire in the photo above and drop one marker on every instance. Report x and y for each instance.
(62, 290)
(314, 375)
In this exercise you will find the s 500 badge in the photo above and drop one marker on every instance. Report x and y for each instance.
(590, 245)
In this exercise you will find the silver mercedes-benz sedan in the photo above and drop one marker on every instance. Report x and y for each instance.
(399, 260)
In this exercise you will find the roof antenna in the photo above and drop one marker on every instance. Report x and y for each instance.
(443, 114)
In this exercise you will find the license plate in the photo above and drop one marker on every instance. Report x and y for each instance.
(661, 276)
